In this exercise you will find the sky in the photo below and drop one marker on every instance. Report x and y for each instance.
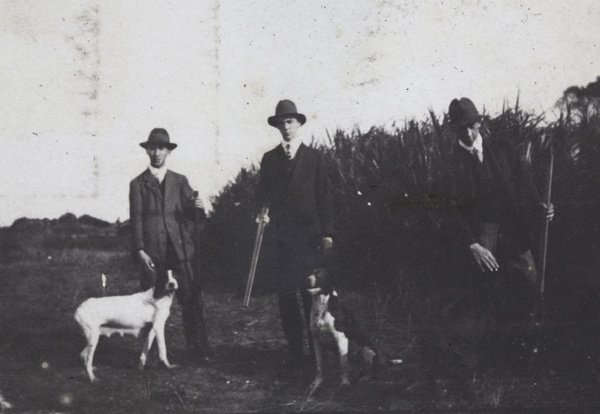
(82, 83)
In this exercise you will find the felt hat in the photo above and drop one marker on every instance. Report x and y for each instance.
(462, 112)
(160, 138)
(286, 109)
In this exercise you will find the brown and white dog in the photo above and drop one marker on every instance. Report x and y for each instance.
(128, 315)
(332, 324)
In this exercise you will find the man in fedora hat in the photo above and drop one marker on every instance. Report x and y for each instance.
(295, 187)
(162, 209)
(489, 227)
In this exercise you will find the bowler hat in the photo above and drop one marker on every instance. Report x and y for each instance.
(158, 137)
(286, 109)
(463, 112)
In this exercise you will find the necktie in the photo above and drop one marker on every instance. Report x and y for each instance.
(477, 154)
(288, 152)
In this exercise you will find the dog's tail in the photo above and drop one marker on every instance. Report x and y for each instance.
(373, 359)
(4, 405)
(80, 316)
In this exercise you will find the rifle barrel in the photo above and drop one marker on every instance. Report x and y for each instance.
(254, 262)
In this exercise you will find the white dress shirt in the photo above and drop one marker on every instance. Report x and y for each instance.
(293, 146)
(159, 173)
(477, 146)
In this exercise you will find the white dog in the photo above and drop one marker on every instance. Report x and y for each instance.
(128, 315)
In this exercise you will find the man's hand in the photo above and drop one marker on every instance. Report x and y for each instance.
(197, 200)
(198, 203)
(548, 211)
(326, 245)
(263, 218)
(146, 261)
(484, 258)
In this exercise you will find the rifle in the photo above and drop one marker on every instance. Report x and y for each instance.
(257, 243)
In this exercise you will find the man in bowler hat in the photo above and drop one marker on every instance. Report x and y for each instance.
(295, 187)
(490, 224)
(163, 209)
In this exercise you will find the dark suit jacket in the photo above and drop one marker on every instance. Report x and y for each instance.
(298, 195)
(155, 217)
(461, 225)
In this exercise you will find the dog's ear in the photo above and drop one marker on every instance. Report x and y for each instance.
(310, 281)
(334, 302)
(325, 281)
(328, 288)
(160, 280)
(160, 293)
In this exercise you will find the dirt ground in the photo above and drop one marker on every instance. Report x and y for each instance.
(46, 275)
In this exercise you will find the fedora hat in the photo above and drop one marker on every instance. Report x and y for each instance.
(462, 112)
(286, 109)
(160, 138)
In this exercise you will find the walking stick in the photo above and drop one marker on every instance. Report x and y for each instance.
(545, 223)
(257, 242)
(198, 229)
(538, 310)
(543, 248)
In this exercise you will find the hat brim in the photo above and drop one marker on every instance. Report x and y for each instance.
(170, 145)
(470, 120)
(273, 119)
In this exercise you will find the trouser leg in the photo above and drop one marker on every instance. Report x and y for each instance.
(291, 321)
(296, 261)
(189, 296)
(307, 304)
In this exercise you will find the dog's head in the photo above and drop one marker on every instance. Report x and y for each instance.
(318, 283)
(166, 285)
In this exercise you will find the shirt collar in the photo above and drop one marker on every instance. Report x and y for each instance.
(294, 145)
(159, 173)
(477, 144)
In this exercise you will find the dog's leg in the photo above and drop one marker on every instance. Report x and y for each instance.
(162, 346)
(92, 337)
(342, 343)
(86, 349)
(86, 332)
(146, 348)
(84, 353)
(319, 363)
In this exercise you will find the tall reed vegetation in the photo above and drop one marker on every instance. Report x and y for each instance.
(388, 189)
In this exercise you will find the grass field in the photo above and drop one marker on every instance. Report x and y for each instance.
(48, 269)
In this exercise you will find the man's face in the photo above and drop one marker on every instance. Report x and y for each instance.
(158, 155)
(469, 134)
(288, 128)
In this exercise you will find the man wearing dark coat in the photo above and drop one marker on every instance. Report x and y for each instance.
(294, 185)
(162, 212)
(489, 228)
